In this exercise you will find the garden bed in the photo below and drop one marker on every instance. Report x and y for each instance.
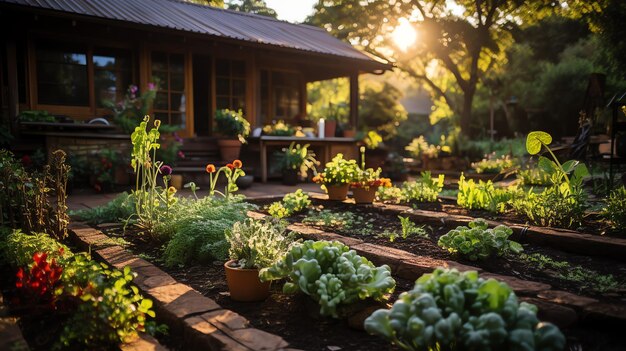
(366, 223)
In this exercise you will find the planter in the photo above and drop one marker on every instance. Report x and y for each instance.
(364, 195)
(330, 128)
(229, 149)
(337, 192)
(350, 133)
(244, 284)
(245, 182)
(290, 177)
(176, 181)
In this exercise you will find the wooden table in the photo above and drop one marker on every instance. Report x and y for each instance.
(330, 146)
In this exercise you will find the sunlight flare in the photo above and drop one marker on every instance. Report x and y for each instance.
(404, 35)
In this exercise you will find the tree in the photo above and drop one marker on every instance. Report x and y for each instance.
(214, 3)
(258, 7)
(464, 41)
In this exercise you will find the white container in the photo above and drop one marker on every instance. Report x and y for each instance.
(321, 127)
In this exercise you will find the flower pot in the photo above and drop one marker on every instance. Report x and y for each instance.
(229, 149)
(176, 181)
(364, 195)
(244, 284)
(244, 182)
(290, 177)
(349, 133)
(337, 192)
(330, 127)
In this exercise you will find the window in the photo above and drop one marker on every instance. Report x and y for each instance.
(280, 96)
(62, 76)
(112, 75)
(230, 85)
(168, 70)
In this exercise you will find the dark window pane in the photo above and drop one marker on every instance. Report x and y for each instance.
(177, 119)
(177, 81)
(222, 103)
(162, 116)
(102, 61)
(178, 102)
(222, 86)
(222, 67)
(239, 69)
(62, 77)
(160, 102)
(177, 63)
(161, 78)
(239, 87)
(159, 61)
(110, 85)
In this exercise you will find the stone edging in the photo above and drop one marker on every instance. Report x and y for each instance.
(201, 322)
(560, 307)
(562, 239)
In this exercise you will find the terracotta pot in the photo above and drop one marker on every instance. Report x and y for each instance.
(337, 192)
(176, 181)
(244, 284)
(330, 127)
(229, 149)
(363, 195)
(349, 133)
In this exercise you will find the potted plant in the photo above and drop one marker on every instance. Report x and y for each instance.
(234, 128)
(295, 161)
(367, 182)
(337, 176)
(254, 245)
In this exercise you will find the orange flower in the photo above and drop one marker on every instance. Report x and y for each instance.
(230, 166)
(237, 163)
(210, 168)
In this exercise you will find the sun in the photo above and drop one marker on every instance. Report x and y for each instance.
(404, 35)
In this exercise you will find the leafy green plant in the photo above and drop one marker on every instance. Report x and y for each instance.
(128, 113)
(420, 148)
(425, 189)
(116, 210)
(297, 158)
(338, 171)
(18, 248)
(279, 128)
(346, 221)
(408, 229)
(533, 176)
(291, 204)
(493, 164)
(484, 195)
(232, 124)
(448, 310)
(196, 229)
(563, 203)
(36, 116)
(615, 210)
(478, 242)
(332, 274)
(258, 243)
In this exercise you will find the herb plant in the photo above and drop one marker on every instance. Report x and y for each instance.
(615, 210)
(493, 164)
(483, 196)
(424, 189)
(448, 310)
(344, 221)
(332, 274)
(291, 204)
(338, 171)
(297, 158)
(478, 242)
(258, 243)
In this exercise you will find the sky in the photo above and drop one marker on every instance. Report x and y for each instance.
(292, 10)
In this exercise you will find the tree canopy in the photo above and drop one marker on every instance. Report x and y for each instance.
(258, 7)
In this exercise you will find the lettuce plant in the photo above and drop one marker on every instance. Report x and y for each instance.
(477, 242)
(291, 204)
(332, 274)
(448, 310)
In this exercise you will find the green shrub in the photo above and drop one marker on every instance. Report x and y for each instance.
(533, 176)
(332, 274)
(258, 243)
(493, 164)
(615, 210)
(18, 248)
(292, 203)
(483, 196)
(448, 310)
(338, 171)
(478, 242)
(197, 229)
(424, 189)
(117, 210)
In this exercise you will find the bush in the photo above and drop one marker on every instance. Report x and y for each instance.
(448, 310)
(197, 229)
(477, 242)
(615, 210)
(258, 243)
(332, 274)
(292, 203)
(18, 248)
(117, 210)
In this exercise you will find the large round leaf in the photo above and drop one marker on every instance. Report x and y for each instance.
(535, 140)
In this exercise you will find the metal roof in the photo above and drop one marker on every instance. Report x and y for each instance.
(184, 16)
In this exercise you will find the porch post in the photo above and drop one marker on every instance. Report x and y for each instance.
(354, 100)
(12, 84)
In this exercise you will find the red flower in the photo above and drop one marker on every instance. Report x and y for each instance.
(230, 166)
(237, 163)
(210, 168)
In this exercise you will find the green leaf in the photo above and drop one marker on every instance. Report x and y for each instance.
(547, 165)
(535, 140)
(570, 165)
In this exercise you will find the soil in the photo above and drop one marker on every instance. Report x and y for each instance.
(373, 221)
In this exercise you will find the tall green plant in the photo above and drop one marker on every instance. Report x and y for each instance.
(127, 114)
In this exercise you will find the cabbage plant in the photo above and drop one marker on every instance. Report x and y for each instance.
(332, 274)
(448, 310)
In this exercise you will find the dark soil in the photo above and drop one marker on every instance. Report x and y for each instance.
(372, 221)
